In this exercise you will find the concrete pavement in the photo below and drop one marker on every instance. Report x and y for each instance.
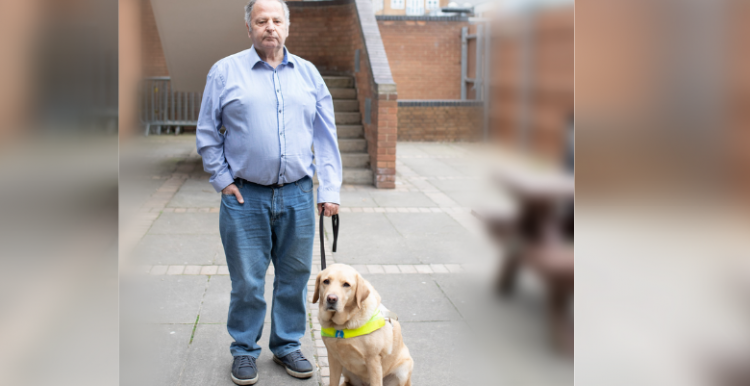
(418, 245)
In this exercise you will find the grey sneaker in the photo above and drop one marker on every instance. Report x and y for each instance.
(296, 364)
(244, 371)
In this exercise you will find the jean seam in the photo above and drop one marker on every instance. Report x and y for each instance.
(302, 189)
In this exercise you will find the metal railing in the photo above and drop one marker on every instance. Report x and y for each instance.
(164, 108)
(480, 82)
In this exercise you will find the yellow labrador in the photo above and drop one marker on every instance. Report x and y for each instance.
(350, 306)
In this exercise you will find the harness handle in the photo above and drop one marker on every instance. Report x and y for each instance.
(335, 225)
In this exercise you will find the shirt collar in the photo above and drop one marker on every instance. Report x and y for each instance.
(254, 58)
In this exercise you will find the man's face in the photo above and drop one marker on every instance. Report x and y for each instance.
(268, 29)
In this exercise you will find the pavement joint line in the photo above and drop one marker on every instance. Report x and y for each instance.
(445, 207)
(375, 269)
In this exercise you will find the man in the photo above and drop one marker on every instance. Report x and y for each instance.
(274, 106)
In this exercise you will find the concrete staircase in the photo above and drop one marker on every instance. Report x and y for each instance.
(351, 133)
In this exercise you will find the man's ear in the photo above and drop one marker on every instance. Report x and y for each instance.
(363, 291)
(317, 288)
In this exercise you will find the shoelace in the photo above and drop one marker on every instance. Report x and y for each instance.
(245, 361)
(296, 356)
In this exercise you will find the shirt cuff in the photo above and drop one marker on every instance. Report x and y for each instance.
(331, 196)
(222, 181)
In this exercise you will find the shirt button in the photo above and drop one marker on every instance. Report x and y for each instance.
(279, 111)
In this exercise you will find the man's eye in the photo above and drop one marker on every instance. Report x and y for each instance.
(347, 285)
(326, 281)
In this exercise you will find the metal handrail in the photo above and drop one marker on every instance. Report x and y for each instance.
(162, 106)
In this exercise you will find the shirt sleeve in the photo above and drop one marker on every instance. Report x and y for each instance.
(326, 146)
(209, 140)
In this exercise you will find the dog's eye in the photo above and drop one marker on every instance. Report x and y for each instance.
(346, 285)
(326, 281)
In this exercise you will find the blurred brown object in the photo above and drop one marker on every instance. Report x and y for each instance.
(539, 236)
(532, 79)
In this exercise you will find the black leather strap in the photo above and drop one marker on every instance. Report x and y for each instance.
(335, 225)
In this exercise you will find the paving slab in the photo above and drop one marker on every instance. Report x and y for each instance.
(221, 257)
(414, 297)
(356, 198)
(168, 249)
(515, 330)
(186, 223)
(435, 348)
(196, 194)
(133, 193)
(436, 238)
(430, 167)
(442, 149)
(154, 354)
(402, 199)
(369, 238)
(479, 197)
(209, 361)
(409, 149)
(170, 299)
(454, 185)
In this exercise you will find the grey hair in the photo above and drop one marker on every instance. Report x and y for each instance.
(251, 4)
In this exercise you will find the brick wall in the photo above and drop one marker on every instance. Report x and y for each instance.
(388, 10)
(424, 54)
(323, 33)
(154, 62)
(375, 83)
(439, 120)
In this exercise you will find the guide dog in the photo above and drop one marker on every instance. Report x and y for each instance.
(363, 338)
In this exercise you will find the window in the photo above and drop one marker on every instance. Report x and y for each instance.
(377, 5)
(432, 4)
(397, 4)
(415, 7)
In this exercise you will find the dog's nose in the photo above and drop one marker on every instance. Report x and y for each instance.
(332, 299)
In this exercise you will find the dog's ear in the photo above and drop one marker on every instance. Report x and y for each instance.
(363, 291)
(317, 288)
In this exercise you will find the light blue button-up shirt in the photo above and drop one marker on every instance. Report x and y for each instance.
(272, 119)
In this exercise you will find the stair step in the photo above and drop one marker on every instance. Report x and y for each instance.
(343, 93)
(353, 176)
(355, 160)
(348, 118)
(344, 105)
(350, 131)
(357, 176)
(339, 81)
(352, 145)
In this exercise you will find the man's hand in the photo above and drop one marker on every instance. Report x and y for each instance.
(233, 189)
(330, 209)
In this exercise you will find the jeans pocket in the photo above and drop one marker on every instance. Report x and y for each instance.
(305, 185)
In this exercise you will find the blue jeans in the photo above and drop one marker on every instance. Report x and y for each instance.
(273, 225)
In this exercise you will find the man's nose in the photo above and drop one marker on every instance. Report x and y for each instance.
(331, 299)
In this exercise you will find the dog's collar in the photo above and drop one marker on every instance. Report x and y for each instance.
(375, 323)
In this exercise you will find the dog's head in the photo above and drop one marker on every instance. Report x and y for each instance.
(341, 290)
